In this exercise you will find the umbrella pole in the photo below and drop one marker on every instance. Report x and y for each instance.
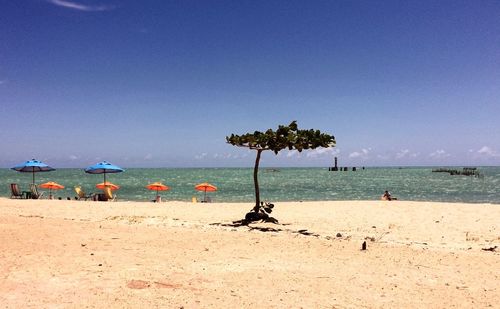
(33, 172)
(205, 198)
(104, 177)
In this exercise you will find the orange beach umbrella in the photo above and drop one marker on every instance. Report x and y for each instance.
(51, 186)
(206, 187)
(157, 186)
(103, 185)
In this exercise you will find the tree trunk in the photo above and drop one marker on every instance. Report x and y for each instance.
(256, 181)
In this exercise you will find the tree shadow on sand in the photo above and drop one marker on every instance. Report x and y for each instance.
(260, 215)
(246, 223)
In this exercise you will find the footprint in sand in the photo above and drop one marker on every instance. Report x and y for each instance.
(138, 284)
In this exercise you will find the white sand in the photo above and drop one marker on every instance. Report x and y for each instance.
(67, 254)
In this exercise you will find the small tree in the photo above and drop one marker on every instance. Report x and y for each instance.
(285, 137)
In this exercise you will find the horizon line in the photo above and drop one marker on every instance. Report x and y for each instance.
(278, 167)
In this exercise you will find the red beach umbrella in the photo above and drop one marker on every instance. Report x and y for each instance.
(51, 186)
(103, 185)
(205, 187)
(157, 186)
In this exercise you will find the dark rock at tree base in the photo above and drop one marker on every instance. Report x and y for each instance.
(256, 216)
(259, 216)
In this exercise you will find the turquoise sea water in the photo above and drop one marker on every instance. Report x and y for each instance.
(286, 184)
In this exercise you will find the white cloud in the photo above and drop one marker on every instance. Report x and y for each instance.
(403, 153)
(73, 157)
(148, 156)
(439, 154)
(383, 156)
(80, 7)
(355, 154)
(487, 152)
(201, 156)
(363, 153)
(2, 82)
(318, 152)
(406, 153)
(220, 156)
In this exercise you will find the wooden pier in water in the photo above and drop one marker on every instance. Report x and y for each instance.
(335, 168)
(466, 171)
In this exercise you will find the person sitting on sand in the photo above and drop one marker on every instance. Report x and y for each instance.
(386, 196)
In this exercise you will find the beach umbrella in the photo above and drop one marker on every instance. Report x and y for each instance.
(33, 166)
(103, 168)
(103, 185)
(205, 187)
(157, 186)
(51, 186)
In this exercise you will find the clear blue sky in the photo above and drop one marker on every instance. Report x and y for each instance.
(161, 83)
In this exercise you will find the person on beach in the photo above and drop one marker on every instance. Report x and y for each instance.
(386, 196)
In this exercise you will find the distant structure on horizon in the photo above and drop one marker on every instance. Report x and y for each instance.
(335, 168)
(466, 171)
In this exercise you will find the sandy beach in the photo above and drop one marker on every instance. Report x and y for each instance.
(75, 254)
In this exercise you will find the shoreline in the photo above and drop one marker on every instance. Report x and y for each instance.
(289, 185)
(214, 201)
(173, 254)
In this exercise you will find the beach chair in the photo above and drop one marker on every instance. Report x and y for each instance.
(15, 191)
(81, 194)
(34, 192)
(108, 195)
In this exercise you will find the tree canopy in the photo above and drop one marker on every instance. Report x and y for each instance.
(285, 137)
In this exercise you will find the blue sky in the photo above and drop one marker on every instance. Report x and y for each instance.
(161, 83)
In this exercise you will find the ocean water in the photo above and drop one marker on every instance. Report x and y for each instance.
(283, 184)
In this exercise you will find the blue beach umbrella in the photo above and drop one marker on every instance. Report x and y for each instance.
(33, 166)
(103, 168)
